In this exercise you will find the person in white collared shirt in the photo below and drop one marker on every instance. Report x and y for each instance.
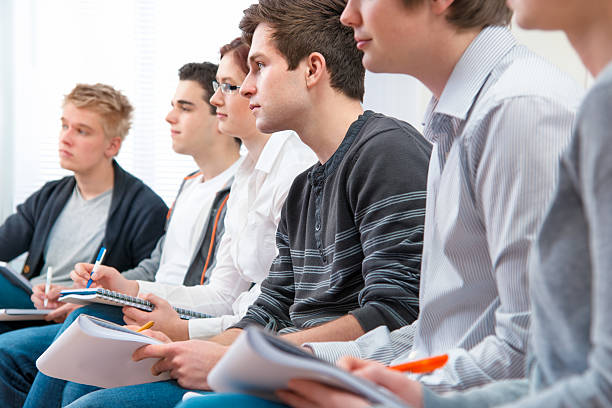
(248, 246)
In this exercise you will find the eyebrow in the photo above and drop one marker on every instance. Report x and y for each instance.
(221, 80)
(83, 125)
(184, 102)
(256, 55)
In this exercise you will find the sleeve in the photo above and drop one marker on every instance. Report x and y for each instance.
(271, 309)
(148, 226)
(147, 268)
(205, 328)
(491, 395)
(593, 387)
(18, 229)
(386, 189)
(514, 181)
(378, 345)
(217, 297)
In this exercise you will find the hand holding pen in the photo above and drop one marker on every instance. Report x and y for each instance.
(99, 259)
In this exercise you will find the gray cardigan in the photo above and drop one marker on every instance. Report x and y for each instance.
(570, 280)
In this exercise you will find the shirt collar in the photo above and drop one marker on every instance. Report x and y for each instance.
(471, 72)
(271, 150)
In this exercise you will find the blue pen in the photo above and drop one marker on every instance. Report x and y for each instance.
(98, 262)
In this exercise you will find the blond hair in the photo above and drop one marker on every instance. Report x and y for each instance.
(114, 107)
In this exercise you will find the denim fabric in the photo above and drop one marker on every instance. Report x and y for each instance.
(19, 350)
(47, 391)
(228, 400)
(152, 395)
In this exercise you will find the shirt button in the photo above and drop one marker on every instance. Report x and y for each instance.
(26, 269)
(317, 227)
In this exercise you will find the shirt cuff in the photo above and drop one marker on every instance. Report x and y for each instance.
(149, 287)
(333, 350)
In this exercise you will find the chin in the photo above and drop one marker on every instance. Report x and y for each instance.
(265, 126)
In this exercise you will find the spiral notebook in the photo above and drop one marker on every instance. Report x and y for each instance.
(109, 297)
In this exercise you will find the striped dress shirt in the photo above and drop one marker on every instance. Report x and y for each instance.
(499, 128)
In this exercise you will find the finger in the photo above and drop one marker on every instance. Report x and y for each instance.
(352, 363)
(162, 366)
(137, 315)
(150, 351)
(157, 335)
(156, 300)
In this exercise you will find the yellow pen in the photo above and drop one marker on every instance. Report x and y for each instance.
(145, 326)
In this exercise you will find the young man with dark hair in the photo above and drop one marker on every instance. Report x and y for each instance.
(349, 238)
(499, 119)
(68, 220)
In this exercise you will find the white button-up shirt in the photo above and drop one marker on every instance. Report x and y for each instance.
(248, 246)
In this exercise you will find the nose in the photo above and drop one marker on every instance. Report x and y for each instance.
(171, 116)
(216, 99)
(248, 89)
(350, 16)
(66, 136)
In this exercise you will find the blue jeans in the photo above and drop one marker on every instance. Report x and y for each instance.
(152, 395)
(228, 400)
(47, 391)
(19, 351)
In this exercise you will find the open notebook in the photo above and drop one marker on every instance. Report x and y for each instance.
(97, 352)
(109, 297)
(259, 363)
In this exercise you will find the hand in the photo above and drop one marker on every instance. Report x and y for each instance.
(59, 314)
(105, 277)
(188, 362)
(165, 317)
(306, 394)
(38, 296)
(398, 383)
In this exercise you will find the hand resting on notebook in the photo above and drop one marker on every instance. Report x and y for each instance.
(105, 277)
(165, 317)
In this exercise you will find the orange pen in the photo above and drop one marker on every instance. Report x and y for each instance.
(425, 365)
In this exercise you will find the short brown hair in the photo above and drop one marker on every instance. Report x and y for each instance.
(240, 52)
(474, 13)
(301, 27)
(114, 107)
(204, 74)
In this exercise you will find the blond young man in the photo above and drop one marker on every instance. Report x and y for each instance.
(69, 220)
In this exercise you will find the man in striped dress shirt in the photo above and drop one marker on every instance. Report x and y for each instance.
(499, 119)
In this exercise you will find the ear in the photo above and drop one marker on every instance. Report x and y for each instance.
(316, 69)
(439, 7)
(113, 147)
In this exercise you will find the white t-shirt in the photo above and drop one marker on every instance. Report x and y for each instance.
(189, 215)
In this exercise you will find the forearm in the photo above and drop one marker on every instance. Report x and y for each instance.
(342, 329)
(227, 337)
(147, 268)
(212, 299)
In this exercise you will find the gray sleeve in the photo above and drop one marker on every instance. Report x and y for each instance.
(147, 268)
(593, 386)
(491, 395)
(378, 345)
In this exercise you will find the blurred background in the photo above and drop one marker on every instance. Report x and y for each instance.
(137, 46)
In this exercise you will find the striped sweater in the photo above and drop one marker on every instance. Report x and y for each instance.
(350, 234)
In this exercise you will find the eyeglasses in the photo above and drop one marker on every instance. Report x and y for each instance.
(225, 88)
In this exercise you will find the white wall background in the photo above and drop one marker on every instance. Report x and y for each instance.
(46, 46)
